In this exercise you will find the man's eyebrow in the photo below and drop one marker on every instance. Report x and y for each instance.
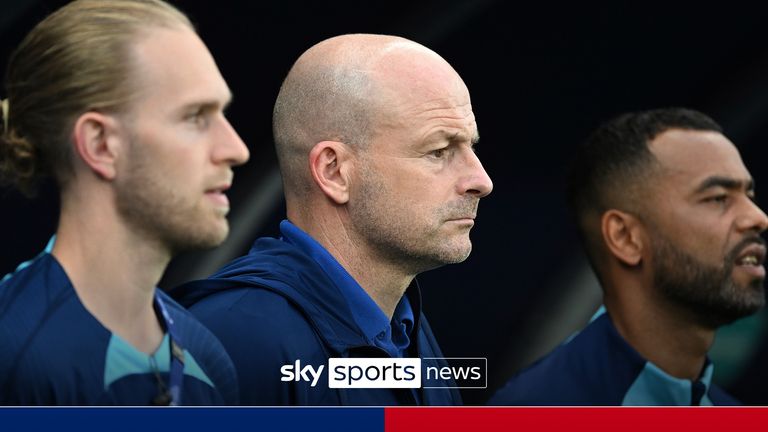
(456, 136)
(725, 183)
(209, 104)
(459, 135)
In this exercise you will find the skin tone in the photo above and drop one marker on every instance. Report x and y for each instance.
(148, 183)
(407, 201)
(699, 202)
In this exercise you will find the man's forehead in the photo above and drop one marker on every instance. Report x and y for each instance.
(176, 62)
(695, 155)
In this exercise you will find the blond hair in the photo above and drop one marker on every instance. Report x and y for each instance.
(76, 60)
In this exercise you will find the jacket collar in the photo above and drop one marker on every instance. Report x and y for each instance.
(288, 270)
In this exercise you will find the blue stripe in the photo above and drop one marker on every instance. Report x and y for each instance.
(194, 419)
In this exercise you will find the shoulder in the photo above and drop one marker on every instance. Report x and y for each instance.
(42, 322)
(188, 325)
(194, 334)
(206, 351)
(31, 299)
(257, 319)
(578, 372)
(31, 280)
(263, 331)
(552, 380)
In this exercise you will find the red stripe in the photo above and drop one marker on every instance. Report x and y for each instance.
(592, 419)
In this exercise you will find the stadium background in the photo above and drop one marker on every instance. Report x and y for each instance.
(541, 76)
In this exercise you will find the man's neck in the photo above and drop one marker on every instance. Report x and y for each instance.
(662, 334)
(114, 273)
(385, 282)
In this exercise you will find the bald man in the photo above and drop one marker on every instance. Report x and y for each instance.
(375, 138)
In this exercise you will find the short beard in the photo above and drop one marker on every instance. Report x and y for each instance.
(401, 241)
(157, 213)
(708, 292)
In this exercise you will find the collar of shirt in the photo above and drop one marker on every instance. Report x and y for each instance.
(653, 386)
(393, 337)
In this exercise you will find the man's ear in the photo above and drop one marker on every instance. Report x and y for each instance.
(623, 236)
(329, 163)
(96, 143)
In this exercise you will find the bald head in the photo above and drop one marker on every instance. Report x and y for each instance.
(339, 90)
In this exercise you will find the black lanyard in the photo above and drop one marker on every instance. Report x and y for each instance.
(177, 353)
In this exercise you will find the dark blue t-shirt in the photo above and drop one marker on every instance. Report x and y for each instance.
(598, 367)
(54, 352)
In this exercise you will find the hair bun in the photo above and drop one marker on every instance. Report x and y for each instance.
(17, 162)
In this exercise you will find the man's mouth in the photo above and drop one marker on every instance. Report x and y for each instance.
(218, 196)
(752, 255)
(751, 258)
(469, 220)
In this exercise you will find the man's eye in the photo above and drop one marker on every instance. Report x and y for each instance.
(718, 199)
(197, 117)
(439, 153)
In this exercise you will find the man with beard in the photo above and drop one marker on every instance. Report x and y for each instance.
(375, 136)
(122, 104)
(666, 210)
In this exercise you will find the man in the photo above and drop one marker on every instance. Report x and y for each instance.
(374, 136)
(122, 104)
(667, 213)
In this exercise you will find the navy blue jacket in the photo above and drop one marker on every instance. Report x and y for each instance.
(275, 306)
(598, 367)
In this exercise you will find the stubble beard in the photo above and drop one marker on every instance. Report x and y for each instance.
(155, 211)
(386, 224)
(708, 292)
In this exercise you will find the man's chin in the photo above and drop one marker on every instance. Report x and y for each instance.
(217, 237)
(459, 254)
(438, 257)
(751, 300)
(201, 239)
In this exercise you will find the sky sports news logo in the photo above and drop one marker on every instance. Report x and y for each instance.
(451, 372)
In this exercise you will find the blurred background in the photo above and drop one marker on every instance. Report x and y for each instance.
(542, 75)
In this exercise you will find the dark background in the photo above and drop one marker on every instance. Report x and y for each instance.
(541, 77)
